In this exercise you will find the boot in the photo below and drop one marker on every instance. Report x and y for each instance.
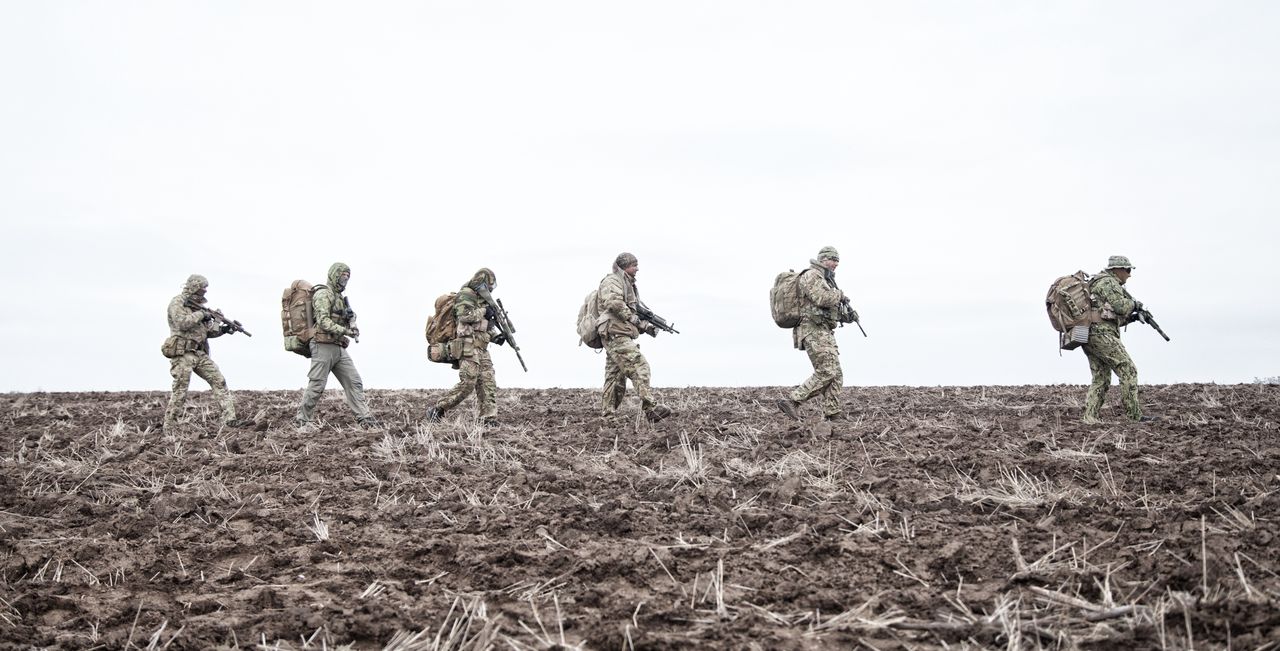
(789, 407)
(434, 414)
(239, 422)
(657, 413)
(491, 421)
(834, 417)
(369, 422)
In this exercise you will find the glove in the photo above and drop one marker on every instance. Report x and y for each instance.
(353, 332)
(648, 328)
(634, 320)
(853, 316)
(201, 314)
(498, 339)
(227, 328)
(490, 314)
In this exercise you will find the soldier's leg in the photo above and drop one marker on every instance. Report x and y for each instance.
(633, 365)
(825, 358)
(323, 357)
(615, 384)
(1117, 358)
(208, 371)
(486, 385)
(468, 373)
(344, 368)
(180, 369)
(1100, 382)
(831, 394)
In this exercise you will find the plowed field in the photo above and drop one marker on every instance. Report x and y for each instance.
(934, 518)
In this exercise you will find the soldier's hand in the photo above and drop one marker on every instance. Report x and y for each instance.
(648, 328)
(200, 314)
(635, 320)
(227, 328)
(499, 339)
(853, 316)
(354, 333)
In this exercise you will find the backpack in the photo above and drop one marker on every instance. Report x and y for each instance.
(296, 319)
(1071, 309)
(589, 321)
(443, 325)
(786, 300)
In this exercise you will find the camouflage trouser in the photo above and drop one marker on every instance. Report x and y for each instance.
(475, 373)
(326, 359)
(1106, 355)
(624, 361)
(180, 368)
(827, 378)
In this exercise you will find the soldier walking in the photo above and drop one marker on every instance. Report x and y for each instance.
(825, 307)
(1104, 350)
(473, 311)
(334, 328)
(187, 348)
(623, 360)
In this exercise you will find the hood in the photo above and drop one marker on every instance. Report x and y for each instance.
(335, 270)
(194, 285)
(485, 277)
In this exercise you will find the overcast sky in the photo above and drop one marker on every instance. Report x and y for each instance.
(960, 155)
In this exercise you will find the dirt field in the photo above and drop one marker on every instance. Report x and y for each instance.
(936, 518)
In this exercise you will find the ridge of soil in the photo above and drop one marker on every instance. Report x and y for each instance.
(935, 517)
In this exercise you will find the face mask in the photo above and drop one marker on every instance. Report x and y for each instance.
(341, 282)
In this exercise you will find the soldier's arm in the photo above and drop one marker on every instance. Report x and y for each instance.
(185, 317)
(467, 310)
(613, 300)
(1110, 291)
(818, 291)
(322, 305)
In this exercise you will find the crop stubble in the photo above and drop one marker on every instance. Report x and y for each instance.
(937, 517)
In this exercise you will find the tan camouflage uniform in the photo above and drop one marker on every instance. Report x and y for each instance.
(1105, 352)
(816, 336)
(619, 328)
(334, 324)
(188, 344)
(475, 368)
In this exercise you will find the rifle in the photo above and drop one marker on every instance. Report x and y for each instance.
(211, 313)
(846, 315)
(658, 322)
(505, 327)
(1142, 315)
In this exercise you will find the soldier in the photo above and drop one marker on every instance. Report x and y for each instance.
(335, 322)
(476, 329)
(1105, 352)
(618, 299)
(825, 307)
(187, 348)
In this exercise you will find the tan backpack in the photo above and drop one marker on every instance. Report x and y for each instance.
(1071, 309)
(589, 321)
(786, 300)
(296, 319)
(442, 328)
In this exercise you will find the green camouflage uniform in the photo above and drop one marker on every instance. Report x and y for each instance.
(815, 335)
(334, 323)
(475, 368)
(189, 334)
(1105, 352)
(623, 359)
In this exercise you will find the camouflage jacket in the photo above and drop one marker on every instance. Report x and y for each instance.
(618, 297)
(1112, 299)
(184, 323)
(822, 303)
(470, 310)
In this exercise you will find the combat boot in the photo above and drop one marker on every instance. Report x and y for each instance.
(369, 422)
(789, 407)
(657, 413)
(434, 414)
(491, 421)
(838, 416)
(239, 422)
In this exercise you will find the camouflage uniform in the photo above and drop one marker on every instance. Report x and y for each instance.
(815, 335)
(619, 328)
(334, 323)
(188, 350)
(475, 368)
(1104, 350)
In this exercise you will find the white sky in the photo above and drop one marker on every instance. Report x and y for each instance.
(960, 156)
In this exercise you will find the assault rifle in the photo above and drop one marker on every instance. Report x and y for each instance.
(1141, 314)
(211, 314)
(658, 322)
(506, 330)
(847, 315)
